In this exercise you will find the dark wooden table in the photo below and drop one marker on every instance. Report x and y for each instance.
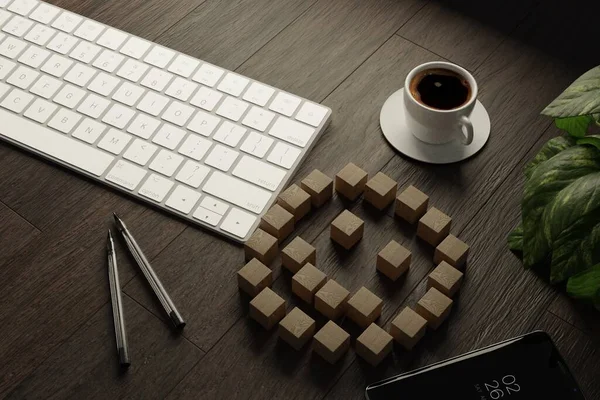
(55, 316)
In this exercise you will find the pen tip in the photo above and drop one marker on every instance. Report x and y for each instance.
(119, 222)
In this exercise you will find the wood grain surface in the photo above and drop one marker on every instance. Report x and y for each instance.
(56, 321)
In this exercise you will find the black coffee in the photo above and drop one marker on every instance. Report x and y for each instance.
(440, 88)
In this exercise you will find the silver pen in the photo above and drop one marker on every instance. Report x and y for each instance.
(117, 303)
(150, 275)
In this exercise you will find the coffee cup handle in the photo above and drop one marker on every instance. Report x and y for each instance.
(468, 138)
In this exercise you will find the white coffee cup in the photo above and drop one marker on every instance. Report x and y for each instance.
(435, 126)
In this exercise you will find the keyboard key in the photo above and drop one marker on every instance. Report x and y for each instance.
(153, 103)
(44, 13)
(166, 163)
(208, 75)
(80, 75)
(40, 35)
(103, 84)
(64, 120)
(183, 199)
(258, 172)
(214, 205)
(292, 131)
(135, 48)
(221, 157)
(156, 187)
(193, 174)
(206, 99)
(4, 16)
(40, 111)
(112, 39)
(54, 144)
(23, 7)
(132, 70)
(233, 84)
(143, 126)
(140, 152)
(238, 223)
(46, 86)
(157, 79)
(128, 94)
(181, 89)
(66, 22)
(16, 101)
(5, 67)
(195, 147)
(159, 56)
(178, 113)
(183, 65)
(4, 88)
(285, 104)
(62, 43)
(69, 96)
(237, 191)
(93, 106)
(85, 52)
(17, 26)
(126, 174)
(114, 141)
(209, 217)
(284, 155)
(89, 30)
(23, 77)
(312, 114)
(258, 118)
(118, 116)
(259, 94)
(203, 123)
(11, 47)
(108, 61)
(232, 108)
(230, 134)
(57, 65)
(257, 144)
(89, 131)
(34, 56)
(168, 136)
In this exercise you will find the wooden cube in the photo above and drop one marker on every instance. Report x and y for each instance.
(434, 226)
(446, 279)
(261, 246)
(364, 307)
(319, 186)
(295, 200)
(380, 191)
(267, 308)
(331, 342)
(297, 253)
(452, 250)
(374, 344)
(254, 277)
(277, 222)
(434, 307)
(307, 281)
(296, 328)
(408, 328)
(347, 229)
(331, 299)
(350, 181)
(394, 260)
(411, 204)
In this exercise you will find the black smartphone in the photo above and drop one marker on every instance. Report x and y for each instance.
(524, 368)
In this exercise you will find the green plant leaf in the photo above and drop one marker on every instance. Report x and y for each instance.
(549, 150)
(585, 285)
(581, 98)
(593, 140)
(515, 239)
(547, 180)
(575, 126)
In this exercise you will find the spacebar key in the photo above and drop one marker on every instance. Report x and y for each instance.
(53, 144)
(238, 192)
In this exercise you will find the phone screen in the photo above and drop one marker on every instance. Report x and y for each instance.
(524, 368)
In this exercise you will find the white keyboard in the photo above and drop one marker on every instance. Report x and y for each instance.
(209, 145)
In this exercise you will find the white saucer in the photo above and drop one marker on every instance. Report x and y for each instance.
(397, 134)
